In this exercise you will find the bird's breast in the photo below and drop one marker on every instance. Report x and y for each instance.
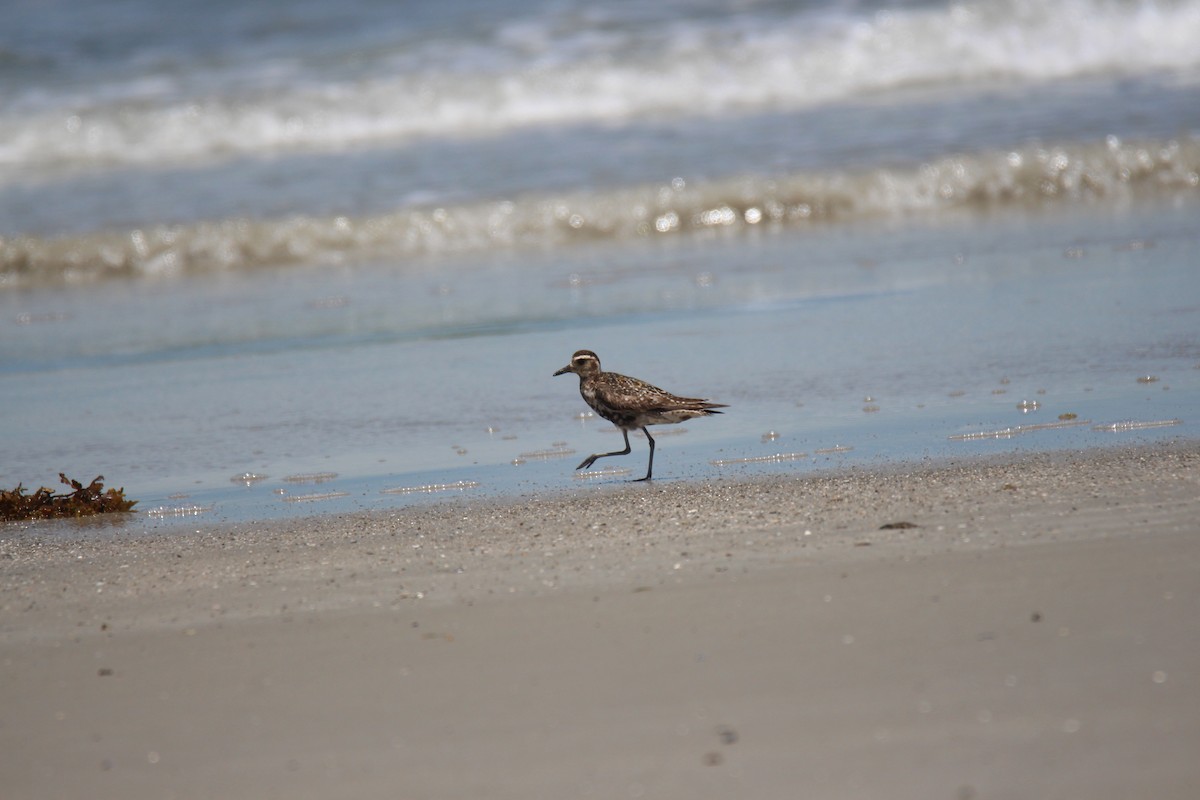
(589, 393)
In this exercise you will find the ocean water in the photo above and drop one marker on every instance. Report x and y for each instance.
(341, 248)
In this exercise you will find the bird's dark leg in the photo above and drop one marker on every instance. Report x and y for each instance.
(587, 462)
(650, 466)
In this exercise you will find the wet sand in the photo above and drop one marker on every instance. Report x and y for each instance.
(1033, 634)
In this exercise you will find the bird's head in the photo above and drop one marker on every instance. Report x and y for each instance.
(583, 363)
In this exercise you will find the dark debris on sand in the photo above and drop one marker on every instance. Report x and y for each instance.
(84, 501)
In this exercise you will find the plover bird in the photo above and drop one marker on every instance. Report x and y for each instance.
(630, 403)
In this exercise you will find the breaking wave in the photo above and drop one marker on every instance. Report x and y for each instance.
(560, 69)
(1024, 177)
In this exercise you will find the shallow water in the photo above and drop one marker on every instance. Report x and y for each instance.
(875, 344)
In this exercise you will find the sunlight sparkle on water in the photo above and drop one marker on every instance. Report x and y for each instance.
(432, 487)
(772, 459)
(313, 498)
(311, 477)
(608, 472)
(1136, 425)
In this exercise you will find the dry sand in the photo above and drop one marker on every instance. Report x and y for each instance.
(1037, 635)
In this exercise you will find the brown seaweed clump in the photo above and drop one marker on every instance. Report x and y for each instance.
(84, 501)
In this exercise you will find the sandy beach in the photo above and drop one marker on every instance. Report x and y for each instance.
(1027, 630)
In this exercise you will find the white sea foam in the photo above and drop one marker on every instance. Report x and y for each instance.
(569, 67)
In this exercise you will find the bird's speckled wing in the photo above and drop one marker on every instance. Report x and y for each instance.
(624, 392)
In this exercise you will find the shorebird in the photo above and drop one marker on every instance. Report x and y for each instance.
(630, 403)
